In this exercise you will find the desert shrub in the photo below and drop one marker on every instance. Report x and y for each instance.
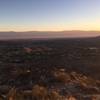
(39, 92)
(61, 76)
(12, 94)
(54, 95)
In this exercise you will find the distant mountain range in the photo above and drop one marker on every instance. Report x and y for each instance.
(47, 34)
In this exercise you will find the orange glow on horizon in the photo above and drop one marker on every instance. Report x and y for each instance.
(62, 27)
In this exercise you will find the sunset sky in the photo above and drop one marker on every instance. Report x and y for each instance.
(49, 15)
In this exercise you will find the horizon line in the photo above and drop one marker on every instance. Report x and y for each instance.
(55, 31)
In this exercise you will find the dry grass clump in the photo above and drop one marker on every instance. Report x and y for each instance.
(39, 92)
(61, 75)
(42, 93)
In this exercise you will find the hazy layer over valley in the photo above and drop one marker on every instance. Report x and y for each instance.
(47, 34)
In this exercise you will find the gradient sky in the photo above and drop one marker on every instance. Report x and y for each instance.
(49, 15)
